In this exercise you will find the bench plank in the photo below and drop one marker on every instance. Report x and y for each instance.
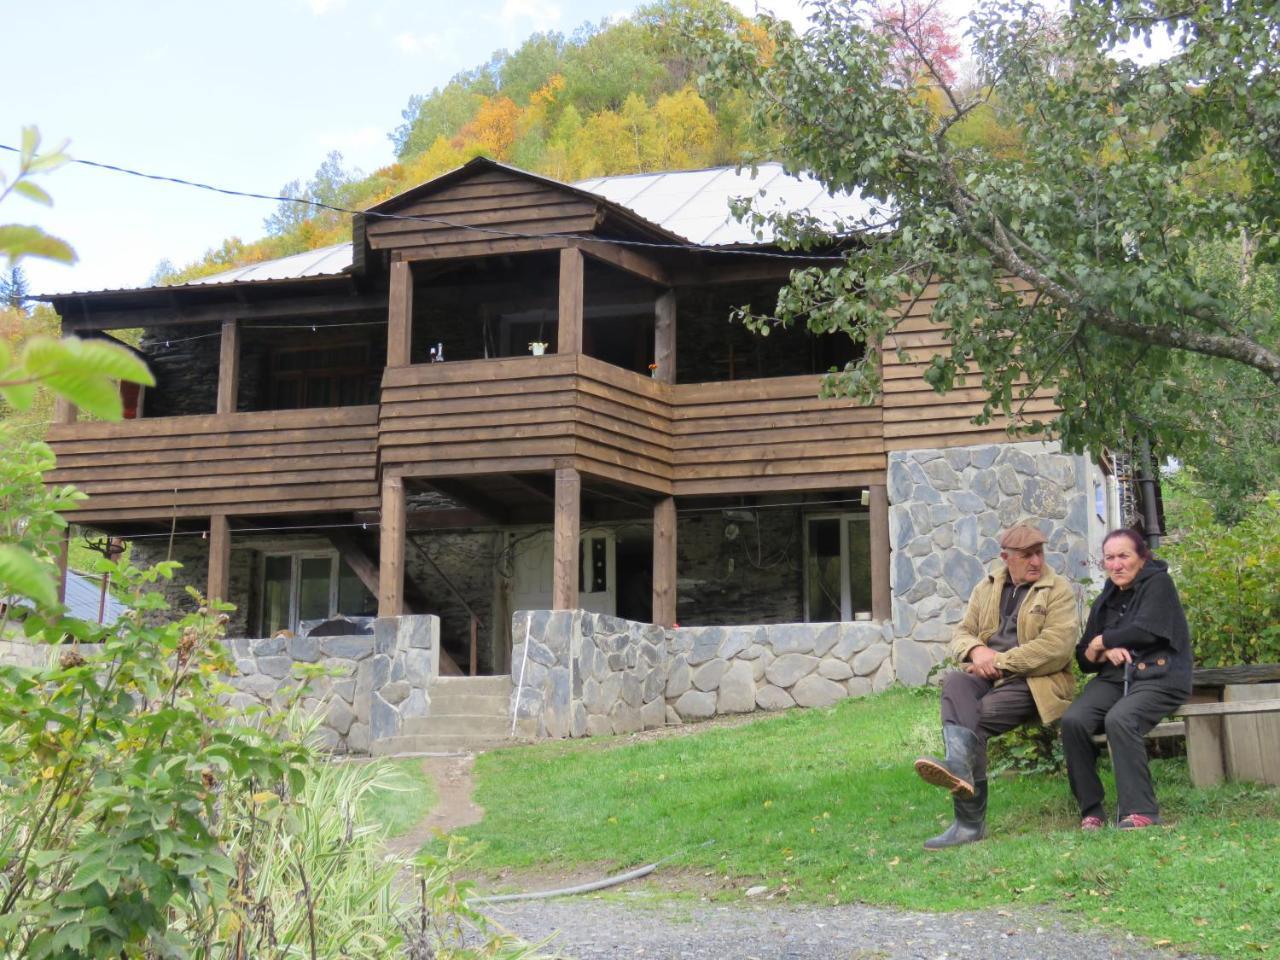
(1252, 742)
(1269, 705)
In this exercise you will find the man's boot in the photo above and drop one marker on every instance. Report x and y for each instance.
(955, 773)
(970, 824)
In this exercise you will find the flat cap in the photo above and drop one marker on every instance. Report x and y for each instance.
(1022, 536)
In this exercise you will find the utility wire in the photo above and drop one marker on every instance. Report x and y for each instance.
(438, 221)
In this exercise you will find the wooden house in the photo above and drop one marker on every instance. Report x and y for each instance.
(512, 393)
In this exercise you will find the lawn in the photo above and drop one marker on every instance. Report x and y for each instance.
(823, 806)
(405, 798)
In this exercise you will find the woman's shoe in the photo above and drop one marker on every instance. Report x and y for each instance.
(1137, 821)
(1091, 823)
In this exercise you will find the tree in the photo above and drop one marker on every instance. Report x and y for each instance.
(14, 289)
(1070, 264)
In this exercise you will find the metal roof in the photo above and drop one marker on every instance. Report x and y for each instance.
(693, 204)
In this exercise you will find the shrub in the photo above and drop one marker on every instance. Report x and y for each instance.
(1229, 580)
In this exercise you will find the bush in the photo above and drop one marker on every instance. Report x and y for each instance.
(1229, 581)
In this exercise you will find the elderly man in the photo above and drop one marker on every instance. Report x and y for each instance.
(1014, 648)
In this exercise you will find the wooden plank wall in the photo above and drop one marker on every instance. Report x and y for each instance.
(276, 462)
(497, 201)
(915, 416)
(752, 436)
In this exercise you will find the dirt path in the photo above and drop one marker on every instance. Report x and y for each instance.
(454, 807)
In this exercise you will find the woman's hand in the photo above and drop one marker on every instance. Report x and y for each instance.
(1095, 650)
(1118, 656)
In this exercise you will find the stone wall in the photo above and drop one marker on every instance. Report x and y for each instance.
(375, 683)
(947, 509)
(580, 674)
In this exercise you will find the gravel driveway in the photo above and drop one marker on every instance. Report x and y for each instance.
(592, 928)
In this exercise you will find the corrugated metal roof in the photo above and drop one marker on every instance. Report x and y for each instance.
(693, 204)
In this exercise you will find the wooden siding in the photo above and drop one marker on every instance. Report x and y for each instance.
(914, 415)
(525, 415)
(496, 202)
(751, 436)
(278, 462)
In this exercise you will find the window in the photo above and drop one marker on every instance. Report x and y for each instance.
(837, 567)
(301, 588)
(332, 375)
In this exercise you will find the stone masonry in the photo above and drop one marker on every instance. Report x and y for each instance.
(947, 509)
(580, 674)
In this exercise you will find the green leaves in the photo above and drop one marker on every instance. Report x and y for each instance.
(18, 240)
(22, 575)
(83, 371)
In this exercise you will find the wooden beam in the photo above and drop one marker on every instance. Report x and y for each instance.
(631, 261)
(881, 601)
(64, 411)
(400, 315)
(391, 552)
(482, 248)
(664, 338)
(229, 367)
(219, 558)
(664, 562)
(64, 552)
(564, 577)
(569, 339)
(361, 564)
(177, 314)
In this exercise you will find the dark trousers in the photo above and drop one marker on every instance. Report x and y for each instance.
(1126, 718)
(985, 709)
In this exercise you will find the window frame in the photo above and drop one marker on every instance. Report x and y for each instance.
(847, 613)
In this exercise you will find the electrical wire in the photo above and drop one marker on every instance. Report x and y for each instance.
(439, 221)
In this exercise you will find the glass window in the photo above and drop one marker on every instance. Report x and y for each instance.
(309, 587)
(354, 598)
(277, 593)
(315, 576)
(837, 567)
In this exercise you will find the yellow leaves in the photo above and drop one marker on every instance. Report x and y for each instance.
(546, 94)
(492, 129)
(767, 804)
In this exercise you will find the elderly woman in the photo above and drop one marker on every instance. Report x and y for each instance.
(1137, 642)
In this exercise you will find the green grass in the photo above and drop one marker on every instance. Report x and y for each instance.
(827, 804)
(405, 801)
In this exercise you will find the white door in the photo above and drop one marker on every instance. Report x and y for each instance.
(533, 561)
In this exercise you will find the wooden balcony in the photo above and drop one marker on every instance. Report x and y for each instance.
(532, 414)
(273, 462)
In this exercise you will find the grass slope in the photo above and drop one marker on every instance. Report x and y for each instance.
(824, 806)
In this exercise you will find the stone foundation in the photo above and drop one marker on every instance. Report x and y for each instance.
(580, 674)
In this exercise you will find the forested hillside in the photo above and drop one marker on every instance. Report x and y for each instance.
(611, 98)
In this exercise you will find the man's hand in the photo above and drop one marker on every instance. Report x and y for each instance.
(982, 663)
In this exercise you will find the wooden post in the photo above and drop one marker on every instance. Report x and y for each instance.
(664, 562)
(391, 551)
(219, 556)
(64, 411)
(229, 367)
(400, 314)
(64, 551)
(664, 338)
(564, 576)
(475, 626)
(569, 339)
(881, 600)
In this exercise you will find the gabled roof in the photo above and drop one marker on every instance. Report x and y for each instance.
(680, 207)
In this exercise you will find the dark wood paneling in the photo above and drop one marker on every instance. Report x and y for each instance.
(294, 461)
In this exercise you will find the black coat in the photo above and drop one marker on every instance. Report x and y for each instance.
(1147, 620)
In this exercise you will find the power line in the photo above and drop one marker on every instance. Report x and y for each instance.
(438, 221)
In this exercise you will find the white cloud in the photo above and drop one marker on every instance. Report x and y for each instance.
(541, 14)
(416, 43)
(320, 8)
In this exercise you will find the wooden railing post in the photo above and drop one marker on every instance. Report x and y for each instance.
(664, 562)
(881, 601)
(219, 557)
(229, 367)
(564, 578)
(400, 315)
(474, 631)
(391, 550)
(664, 338)
(64, 553)
(569, 338)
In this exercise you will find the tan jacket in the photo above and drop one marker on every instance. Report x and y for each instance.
(1048, 627)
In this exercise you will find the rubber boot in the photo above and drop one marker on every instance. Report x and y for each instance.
(955, 773)
(970, 824)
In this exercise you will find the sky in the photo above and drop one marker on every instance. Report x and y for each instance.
(243, 95)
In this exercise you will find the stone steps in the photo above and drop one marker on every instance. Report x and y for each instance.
(467, 713)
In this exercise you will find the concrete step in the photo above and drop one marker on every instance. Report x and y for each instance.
(481, 725)
(468, 704)
(499, 686)
(450, 743)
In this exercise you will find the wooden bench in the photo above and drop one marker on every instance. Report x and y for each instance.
(1218, 751)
